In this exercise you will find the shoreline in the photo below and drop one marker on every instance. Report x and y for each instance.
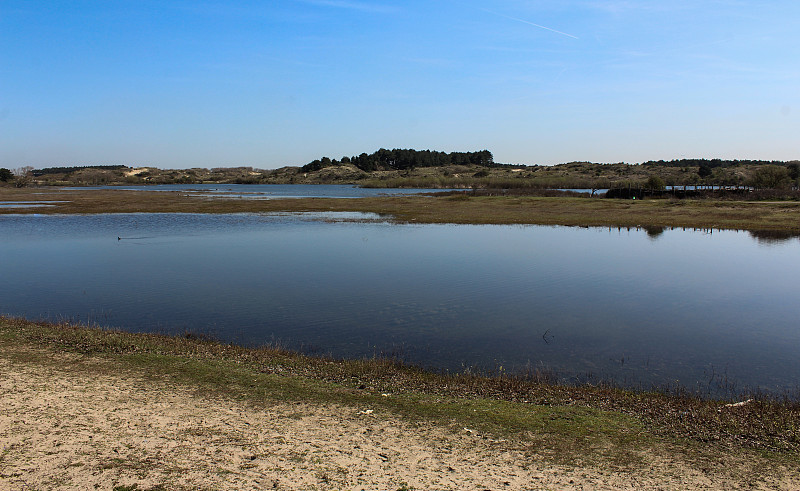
(498, 430)
(380, 374)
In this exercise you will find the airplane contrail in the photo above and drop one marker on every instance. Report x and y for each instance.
(532, 24)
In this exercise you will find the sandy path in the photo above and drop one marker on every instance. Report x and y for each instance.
(71, 430)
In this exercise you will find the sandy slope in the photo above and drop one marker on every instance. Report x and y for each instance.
(73, 429)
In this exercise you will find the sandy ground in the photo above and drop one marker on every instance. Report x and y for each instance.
(72, 429)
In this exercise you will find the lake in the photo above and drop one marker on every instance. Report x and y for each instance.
(698, 308)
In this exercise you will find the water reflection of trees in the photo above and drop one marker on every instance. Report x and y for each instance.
(654, 231)
(762, 236)
(773, 236)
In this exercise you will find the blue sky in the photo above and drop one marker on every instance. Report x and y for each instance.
(266, 84)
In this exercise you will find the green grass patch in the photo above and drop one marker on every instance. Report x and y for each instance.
(564, 433)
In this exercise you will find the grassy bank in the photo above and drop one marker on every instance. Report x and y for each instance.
(568, 424)
(464, 209)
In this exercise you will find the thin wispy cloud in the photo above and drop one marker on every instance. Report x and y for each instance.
(349, 5)
(531, 24)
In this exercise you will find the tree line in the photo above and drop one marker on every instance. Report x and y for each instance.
(711, 163)
(21, 176)
(405, 159)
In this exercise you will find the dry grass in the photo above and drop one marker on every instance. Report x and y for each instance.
(758, 216)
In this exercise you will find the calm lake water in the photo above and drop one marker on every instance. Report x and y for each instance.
(639, 307)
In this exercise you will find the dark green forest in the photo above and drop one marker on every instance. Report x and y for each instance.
(405, 159)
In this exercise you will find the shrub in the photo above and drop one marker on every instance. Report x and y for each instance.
(770, 177)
